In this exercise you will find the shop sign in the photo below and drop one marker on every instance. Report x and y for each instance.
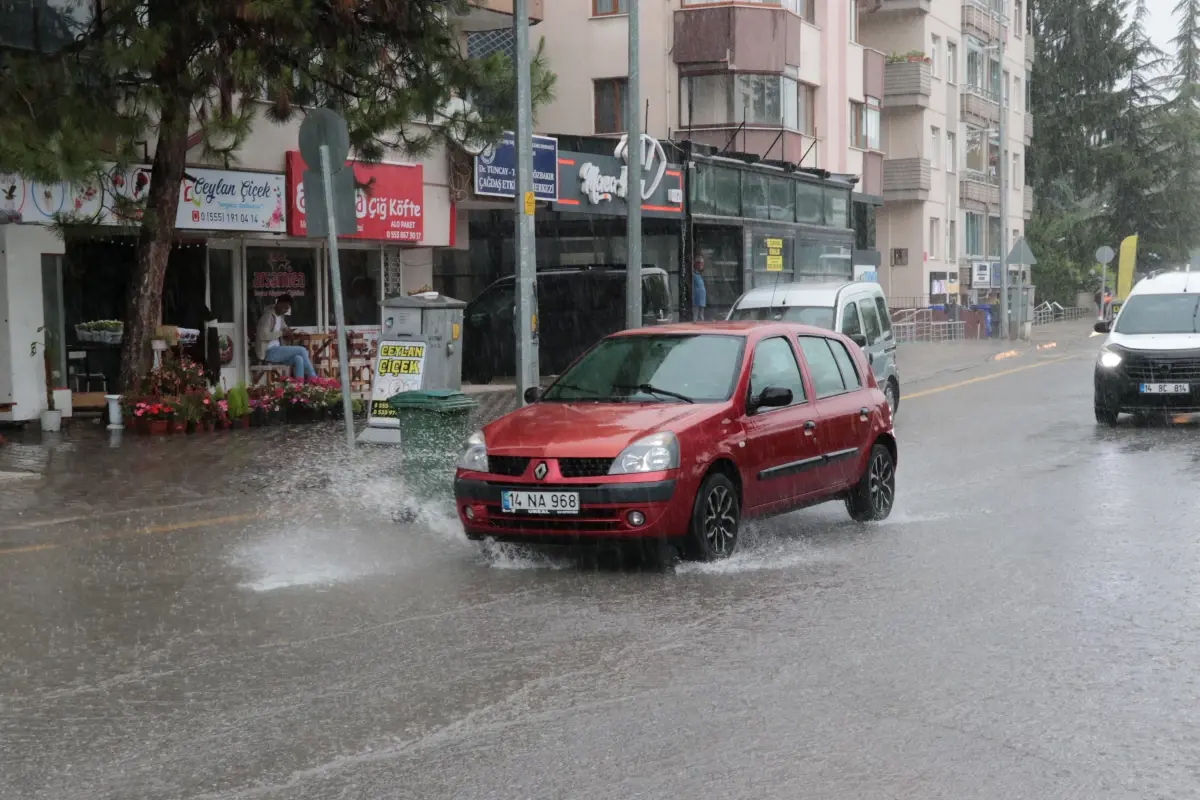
(399, 367)
(279, 278)
(598, 184)
(981, 275)
(209, 199)
(774, 255)
(496, 168)
(390, 206)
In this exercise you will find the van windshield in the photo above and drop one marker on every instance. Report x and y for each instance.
(818, 316)
(1160, 313)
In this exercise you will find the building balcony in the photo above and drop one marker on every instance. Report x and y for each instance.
(1028, 128)
(907, 84)
(980, 21)
(490, 15)
(906, 180)
(978, 107)
(1030, 49)
(1027, 202)
(757, 37)
(977, 190)
(895, 6)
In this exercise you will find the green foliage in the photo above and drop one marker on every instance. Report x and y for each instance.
(238, 401)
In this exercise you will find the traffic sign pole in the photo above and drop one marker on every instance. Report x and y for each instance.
(633, 178)
(525, 202)
(1105, 256)
(339, 310)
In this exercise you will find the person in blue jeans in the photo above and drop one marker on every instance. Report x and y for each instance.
(271, 329)
(699, 293)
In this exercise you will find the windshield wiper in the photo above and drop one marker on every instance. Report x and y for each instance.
(647, 388)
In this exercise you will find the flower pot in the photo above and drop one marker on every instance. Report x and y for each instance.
(154, 427)
(51, 420)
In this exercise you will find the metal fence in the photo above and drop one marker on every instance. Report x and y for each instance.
(1047, 313)
(918, 325)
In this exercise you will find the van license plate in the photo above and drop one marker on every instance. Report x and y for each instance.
(512, 502)
(1166, 388)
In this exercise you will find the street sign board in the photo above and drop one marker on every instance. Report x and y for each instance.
(324, 127)
(1021, 254)
(1105, 255)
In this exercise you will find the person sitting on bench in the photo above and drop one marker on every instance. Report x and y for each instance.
(270, 328)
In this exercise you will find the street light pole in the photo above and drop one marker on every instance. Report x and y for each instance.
(633, 188)
(1004, 310)
(525, 204)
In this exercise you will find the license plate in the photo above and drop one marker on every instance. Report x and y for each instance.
(512, 502)
(1165, 388)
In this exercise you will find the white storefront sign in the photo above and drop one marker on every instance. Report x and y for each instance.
(599, 188)
(209, 200)
(399, 367)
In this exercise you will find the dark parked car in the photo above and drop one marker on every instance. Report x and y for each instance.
(577, 306)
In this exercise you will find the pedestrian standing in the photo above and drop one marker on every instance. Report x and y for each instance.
(699, 293)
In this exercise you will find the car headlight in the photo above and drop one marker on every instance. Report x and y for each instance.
(1109, 358)
(474, 454)
(651, 454)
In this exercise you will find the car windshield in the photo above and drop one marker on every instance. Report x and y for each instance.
(1160, 313)
(655, 368)
(818, 316)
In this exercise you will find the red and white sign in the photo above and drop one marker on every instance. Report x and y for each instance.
(390, 209)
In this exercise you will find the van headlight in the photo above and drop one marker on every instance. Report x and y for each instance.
(474, 453)
(651, 454)
(1109, 358)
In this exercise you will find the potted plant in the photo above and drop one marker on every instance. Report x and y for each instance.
(51, 418)
(237, 406)
(152, 416)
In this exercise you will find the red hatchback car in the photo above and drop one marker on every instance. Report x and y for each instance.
(680, 432)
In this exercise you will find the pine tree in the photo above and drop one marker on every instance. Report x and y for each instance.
(1181, 134)
(185, 73)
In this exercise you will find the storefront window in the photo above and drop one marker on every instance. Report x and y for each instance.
(824, 261)
(721, 250)
(837, 208)
(772, 255)
(783, 199)
(361, 278)
(864, 226)
(220, 284)
(755, 202)
(272, 271)
(810, 203)
(716, 191)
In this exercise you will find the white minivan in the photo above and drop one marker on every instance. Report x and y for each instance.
(857, 309)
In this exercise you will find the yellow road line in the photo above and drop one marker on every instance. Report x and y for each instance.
(982, 378)
(149, 530)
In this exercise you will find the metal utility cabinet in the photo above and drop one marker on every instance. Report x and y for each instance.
(436, 320)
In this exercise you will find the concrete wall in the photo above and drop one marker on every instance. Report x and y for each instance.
(23, 375)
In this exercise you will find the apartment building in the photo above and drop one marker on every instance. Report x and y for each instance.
(957, 72)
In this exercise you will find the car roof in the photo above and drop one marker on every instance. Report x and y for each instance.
(728, 328)
(801, 294)
(1168, 283)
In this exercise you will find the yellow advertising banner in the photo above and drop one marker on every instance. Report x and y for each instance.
(1125, 267)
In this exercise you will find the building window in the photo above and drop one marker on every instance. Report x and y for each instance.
(858, 135)
(807, 109)
(952, 62)
(608, 8)
(610, 105)
(935, 56)
(1018, 21)
(754, 99)
(1016, 95)
(975, 157)
(974, 235)
(807, 9)
(995, 238)
(935, 147)
(951, 241)
(865, 124)
(995, 78)
(716, 191)
(1028, 89)
(935, 236)
(975, 77)
(1017, 181)
(1007, 89)
(951, 152)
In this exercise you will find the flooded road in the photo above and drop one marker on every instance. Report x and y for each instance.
(1022, 626)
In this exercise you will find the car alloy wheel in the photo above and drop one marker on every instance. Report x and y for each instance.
(720, 522)
(872, 498)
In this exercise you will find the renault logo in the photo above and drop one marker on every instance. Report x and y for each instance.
(540, 471)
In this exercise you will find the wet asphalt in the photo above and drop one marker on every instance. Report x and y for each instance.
(1024, 626)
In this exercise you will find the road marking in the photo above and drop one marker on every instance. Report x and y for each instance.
(49, 523)
(1006, 354)
(149, 530)
(1047, 346)
(983, 378)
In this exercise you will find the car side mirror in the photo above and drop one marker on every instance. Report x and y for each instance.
(1102, 326)
(772, 397)
(532, 394)
(859, 339)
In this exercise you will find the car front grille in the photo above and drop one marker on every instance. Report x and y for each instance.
(1163, 366)
(584, 467)
(596, 520)
(510, 466)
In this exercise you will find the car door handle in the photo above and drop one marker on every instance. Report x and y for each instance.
(864, 413)
(809, 427)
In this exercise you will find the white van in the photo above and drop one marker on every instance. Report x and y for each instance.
(857, 309)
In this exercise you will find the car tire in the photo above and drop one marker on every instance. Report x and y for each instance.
(872, 498)
(1106, 414)
(892, 393)
(716, 519)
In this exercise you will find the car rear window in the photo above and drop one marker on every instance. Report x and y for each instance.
(817, 316)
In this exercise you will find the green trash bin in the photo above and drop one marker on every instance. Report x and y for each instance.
(433, 426)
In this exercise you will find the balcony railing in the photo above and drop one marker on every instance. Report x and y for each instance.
(906, 180)
(797, 7)
(978, 20)
(978, 106)
(907, 84)
(979, 188)
(1027, 202)
(1028, 128)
